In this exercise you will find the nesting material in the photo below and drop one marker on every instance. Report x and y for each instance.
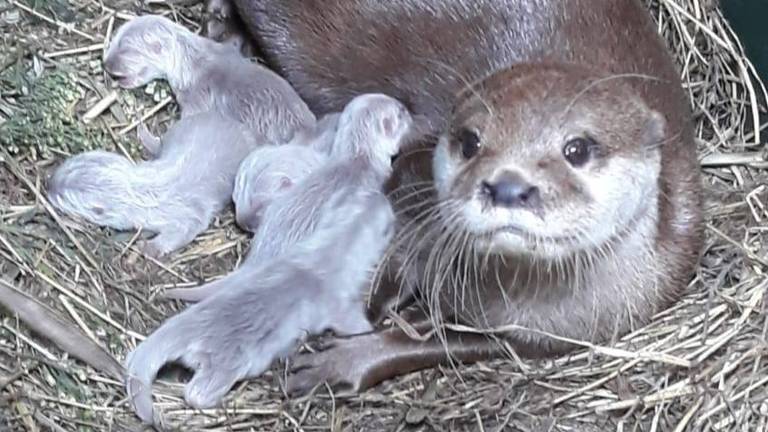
(701, 365)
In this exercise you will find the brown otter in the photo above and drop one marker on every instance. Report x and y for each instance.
(538, 107)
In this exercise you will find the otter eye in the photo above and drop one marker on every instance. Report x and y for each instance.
(470, 143)
(578, 151)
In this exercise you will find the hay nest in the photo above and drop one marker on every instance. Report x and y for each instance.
(701, 365)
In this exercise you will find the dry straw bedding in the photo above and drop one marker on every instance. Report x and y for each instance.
(701, 365)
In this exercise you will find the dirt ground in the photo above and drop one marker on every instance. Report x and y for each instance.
(701, 365)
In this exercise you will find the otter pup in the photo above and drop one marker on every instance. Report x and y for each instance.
(264, 177)
(207, 76)
(267, 171)
(265, 174)
(561, 161)
(175, 195)
(220, 93)
(344, 222)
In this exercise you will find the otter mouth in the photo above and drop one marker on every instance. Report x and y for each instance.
(527, 235)
(119, 77)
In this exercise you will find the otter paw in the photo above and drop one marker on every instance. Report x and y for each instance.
(334, 365)
(219, 8)
(151, 143)
(220, 22)
(151, 249)
(209, 386)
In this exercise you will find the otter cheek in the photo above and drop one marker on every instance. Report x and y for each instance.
(443, 168)
(617, 195)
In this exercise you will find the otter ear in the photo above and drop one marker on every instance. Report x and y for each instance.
(155, 47)
(654, 129)
(388, 126)
(285, 183)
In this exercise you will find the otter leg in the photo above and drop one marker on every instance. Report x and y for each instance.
(151, 143)
(357, 363)
(350, 322)
(169, 239)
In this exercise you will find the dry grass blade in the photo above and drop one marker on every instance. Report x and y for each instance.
(45, 322)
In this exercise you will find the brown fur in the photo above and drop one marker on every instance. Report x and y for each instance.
(428, 53)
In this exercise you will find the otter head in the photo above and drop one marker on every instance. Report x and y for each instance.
(548, 160)
(145, 49)
(372, 125)
(91, 186)
(264, 175)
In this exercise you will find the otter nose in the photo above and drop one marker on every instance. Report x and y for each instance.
(109, 64)
(248, 222)
(511, 190)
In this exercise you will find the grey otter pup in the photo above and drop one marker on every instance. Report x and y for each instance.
(207, 76)
(342, 223)
(264, 197)
(267, 171)
(536, 107)
(265, 174)
(221, 94)
(175, 195)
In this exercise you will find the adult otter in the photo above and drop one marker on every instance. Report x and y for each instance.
(539, 105)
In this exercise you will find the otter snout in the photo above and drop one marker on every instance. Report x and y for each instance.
(111, 64)
(117, 72)
(247, 222)
(510, 189)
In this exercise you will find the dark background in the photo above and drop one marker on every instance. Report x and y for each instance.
(749, 19)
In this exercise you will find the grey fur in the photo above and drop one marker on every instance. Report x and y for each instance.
(269, 170)
(207, 76)
(290, 216)
(265, 174)
(222, 95)
(344, 222)
(321, 136)
(175, 195)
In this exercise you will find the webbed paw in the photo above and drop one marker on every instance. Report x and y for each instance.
(333, 363)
